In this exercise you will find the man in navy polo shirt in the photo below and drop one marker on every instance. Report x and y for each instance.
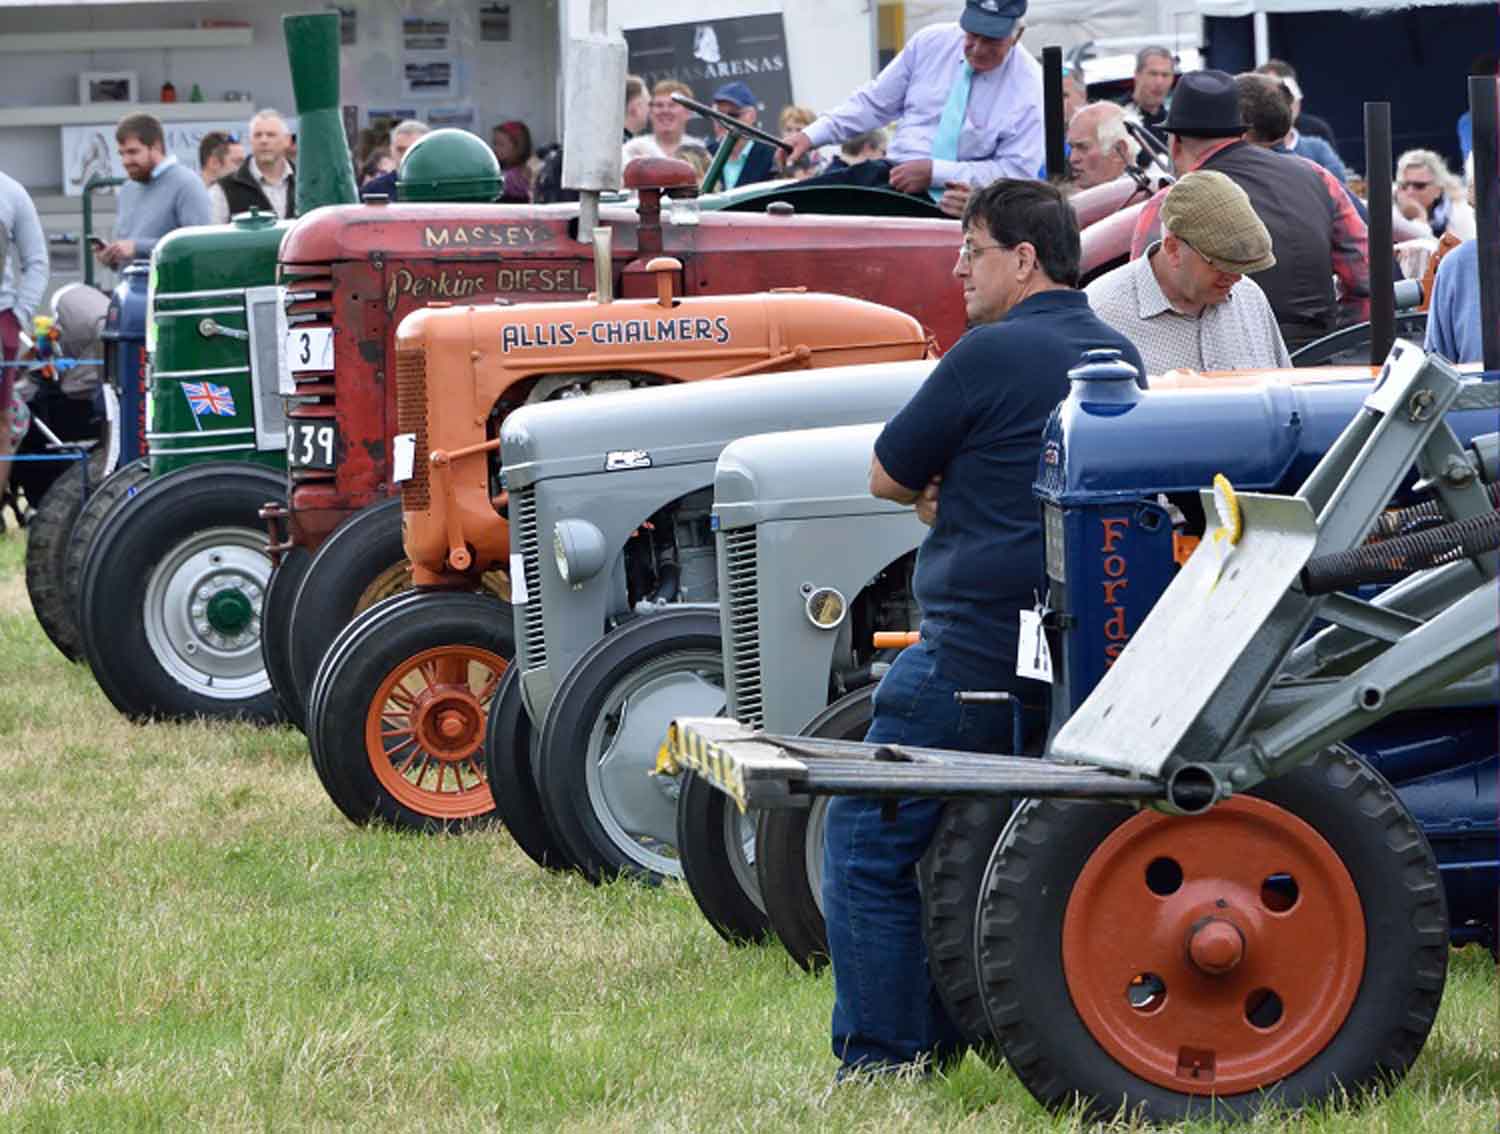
(964, 451)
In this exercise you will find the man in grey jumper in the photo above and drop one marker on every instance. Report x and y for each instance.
(161, 194)
(23, 281)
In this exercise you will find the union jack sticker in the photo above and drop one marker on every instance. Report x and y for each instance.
(209, 398)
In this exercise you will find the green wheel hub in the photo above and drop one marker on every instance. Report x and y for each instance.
(229, 611)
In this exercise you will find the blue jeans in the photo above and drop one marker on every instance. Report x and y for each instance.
(886, 1011)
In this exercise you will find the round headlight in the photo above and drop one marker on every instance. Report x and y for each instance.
(578, 548)
(560, 554)
(826, 608)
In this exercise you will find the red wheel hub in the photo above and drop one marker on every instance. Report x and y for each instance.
(424, 730)
(1214, 954)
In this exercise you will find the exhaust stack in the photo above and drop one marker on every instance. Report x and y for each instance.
(593, 116)
(325, 171)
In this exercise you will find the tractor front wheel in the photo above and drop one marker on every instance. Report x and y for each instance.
(398, 719)
(602, 733)
(172, 592)
(1284, 948)
(48, 530)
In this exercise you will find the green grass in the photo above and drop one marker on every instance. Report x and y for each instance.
(192, 937)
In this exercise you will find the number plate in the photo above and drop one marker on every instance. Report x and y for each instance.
(312, 444)
(309, 348)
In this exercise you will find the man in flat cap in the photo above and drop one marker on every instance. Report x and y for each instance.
(1316, 233)
(1188, 302)
(969, 100)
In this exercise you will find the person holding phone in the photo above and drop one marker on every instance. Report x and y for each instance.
(160, 195)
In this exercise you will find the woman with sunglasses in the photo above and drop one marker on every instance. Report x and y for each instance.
(1427, 191)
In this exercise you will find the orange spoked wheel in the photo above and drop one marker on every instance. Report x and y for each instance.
(424, 730)
(1285, 947)
(399, 709)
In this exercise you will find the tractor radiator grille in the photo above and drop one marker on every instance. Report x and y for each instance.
(524, 533)
(308, 290)
(411, 417)
(742, 626)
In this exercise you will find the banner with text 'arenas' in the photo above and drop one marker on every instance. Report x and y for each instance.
(706, 54)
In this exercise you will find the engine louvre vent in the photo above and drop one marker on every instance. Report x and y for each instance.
(742, 626)
(411, 417)
(533, 644)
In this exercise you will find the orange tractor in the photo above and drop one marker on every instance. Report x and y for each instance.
(396, 716)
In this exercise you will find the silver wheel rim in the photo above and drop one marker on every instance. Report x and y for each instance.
(739, 850)
(225, 666)
(817, 819)
(638, 810)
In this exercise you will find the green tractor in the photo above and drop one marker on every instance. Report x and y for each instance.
(168, 559)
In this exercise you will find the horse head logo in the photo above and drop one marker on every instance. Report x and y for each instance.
(706, 44)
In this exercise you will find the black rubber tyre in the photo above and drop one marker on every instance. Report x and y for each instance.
(434, 659)
(670, 664)
(120, 486)
(950, 875)
(1399, 986)
(354, 556)
(171, 593)
(720, 874)
(276, 633)
(789, 845)
(508, 743)
(48, 530)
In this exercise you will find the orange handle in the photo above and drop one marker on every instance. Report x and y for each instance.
(896, 639)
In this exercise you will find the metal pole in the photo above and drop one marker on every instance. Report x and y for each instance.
(87, 252)
(1052, 111)
(1382, 243)
(1484, 104)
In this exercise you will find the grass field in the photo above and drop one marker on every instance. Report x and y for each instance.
(194, 938)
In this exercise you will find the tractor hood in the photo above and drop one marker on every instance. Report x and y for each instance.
(676, 425)
(798, 476)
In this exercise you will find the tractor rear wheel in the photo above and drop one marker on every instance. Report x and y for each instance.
(398, 722)
(789, 845)
(716, 846)
(508, 743)
(950, 875)
(172, 593)
(337, 586)
(601, 736)
(48, 530)
(276, 632)
(122, 484)
(1286, 947)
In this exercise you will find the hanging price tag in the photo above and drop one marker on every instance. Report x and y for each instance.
(1033, 658)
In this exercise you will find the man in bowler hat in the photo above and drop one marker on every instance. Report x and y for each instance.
(1315, 232)
(969, 100)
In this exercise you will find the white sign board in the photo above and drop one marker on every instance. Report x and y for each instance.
(91, 150)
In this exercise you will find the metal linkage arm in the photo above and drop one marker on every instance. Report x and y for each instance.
(759, 770)
(1450, 647)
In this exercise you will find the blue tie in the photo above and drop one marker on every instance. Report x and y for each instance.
(945, 141)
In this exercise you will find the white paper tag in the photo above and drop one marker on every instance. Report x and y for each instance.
(517, 578)
(309, 348)
(1033, 658)
(403, 456)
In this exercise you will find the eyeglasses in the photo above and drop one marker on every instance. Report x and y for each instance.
(1414, 184)
(968, 252)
